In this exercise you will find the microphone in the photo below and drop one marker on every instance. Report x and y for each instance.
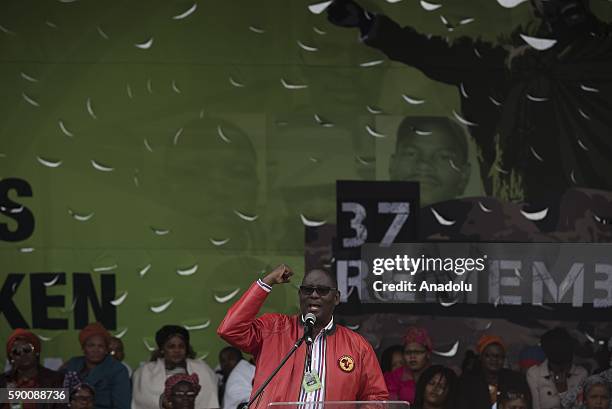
(309, 322)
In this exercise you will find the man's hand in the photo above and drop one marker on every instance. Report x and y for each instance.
(279, 275)
(346, 13)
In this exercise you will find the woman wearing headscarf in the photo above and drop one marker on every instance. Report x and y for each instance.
(174, 355)
(181, 391)
(98, 369)
(23, 352)
(595, 392)
(479, 390)
(402, 381)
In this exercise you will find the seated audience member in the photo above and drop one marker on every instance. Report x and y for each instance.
(592, 393)
(23, 352)
(181, 392)
(514, 398)
(82, 396)
(116, 350)
(392, 358)
(98, 369)
(479, 390)
(557, 373)
(173, 356)
(417, 353)
(237, 376)
(436, 388)
(470, 364)
(530, 356)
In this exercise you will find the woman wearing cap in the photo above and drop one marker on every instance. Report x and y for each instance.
(23, 351)
(402, 381)
(173, 356)
(181, 391)
(97, 368)
(480, 390)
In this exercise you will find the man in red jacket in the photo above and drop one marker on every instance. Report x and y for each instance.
(343, 366)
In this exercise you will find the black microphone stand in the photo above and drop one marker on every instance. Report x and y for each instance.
(278, 368)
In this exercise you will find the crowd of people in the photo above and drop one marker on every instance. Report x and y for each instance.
(175, 379)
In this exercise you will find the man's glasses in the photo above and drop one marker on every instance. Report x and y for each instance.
(322, 291)
(24, 350)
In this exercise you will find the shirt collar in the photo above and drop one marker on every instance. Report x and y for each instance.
(328, 328)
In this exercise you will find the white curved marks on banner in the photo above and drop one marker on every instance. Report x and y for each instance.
(146, 344)
(29, 100)
(447, 304)
(322, 121)
(225, 298)
(102, 33)
(144, 270)
(467, 21)
(535, 216)
(235, 83)
(540, 44)
(453, 166)
(356, 326)
(371, 63)
(71, 308)
(147, 145)
(119, 300)
(186, 13)
(462, 120)
(90, 109)
(222, 135)
(129, 91)
(160, 232)
(319, 31)
(187, 271)
(430, 6)
(105, 268)
(177, 136)
(450, 353)
(535, 154)
(257, 30)
(27, 77)
(362, 161)
(80, 216)
(175, 87)
(311, 223)
(319, 8)
(194, 327)
(162, 307)
(145, 45)
(65, 130)
(289, 85)
(48, 162)
(374, 133)
(306, 47)
(121, 333)
(7, 31)
(101, 167)
(484, 208)
(219, 243)
(441, 220)
(204, 356)
(582, 145)
(393, 1)
(52, 282)
(510, 3)
(374, 110)
(412, 100)
(149, 86)
(245, 216)
(14, 210)
(26, 250)
(536, 99)
(43, 338)
(588, 89)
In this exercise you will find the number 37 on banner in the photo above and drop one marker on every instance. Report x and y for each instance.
(376, 212)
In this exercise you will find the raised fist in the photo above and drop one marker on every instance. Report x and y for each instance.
(279, 275)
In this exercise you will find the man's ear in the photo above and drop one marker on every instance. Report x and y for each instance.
(337, 298)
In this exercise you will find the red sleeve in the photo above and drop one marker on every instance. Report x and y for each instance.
(240, 328)
(393, 382)
(371, 384)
